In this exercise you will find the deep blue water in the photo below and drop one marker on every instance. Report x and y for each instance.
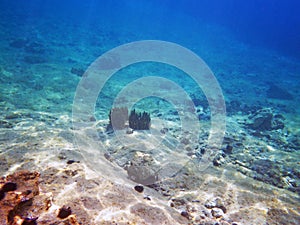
(272, 24)
(254, 43)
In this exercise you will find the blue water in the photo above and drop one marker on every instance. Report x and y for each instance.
(252, 47)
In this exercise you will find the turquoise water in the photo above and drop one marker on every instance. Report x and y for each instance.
(252, 48)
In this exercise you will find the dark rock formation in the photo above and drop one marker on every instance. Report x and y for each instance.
(17, 190)
(64, 212)
(265, 119)
(77, 71)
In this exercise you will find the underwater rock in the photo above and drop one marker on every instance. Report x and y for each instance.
(129, 130)
(142, 174)
(16, 191)
(199, 101)
(77, 71)
(64, 212)
(267, 171)
(139, 188)
(278, 93)
(22, 203)
(176, 202)
(215, 203)
(219, 160)
(216, 212)
(185, 214)
(71, 161)
(282, 216)
(265, 119)
(141, 169)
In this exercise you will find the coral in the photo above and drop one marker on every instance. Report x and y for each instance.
(118, 117)
(139, 121)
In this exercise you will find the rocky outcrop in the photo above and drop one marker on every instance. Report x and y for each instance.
(265, 119)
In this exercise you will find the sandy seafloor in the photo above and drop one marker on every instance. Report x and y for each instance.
(257, 182)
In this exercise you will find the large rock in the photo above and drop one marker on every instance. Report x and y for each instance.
(265, 119)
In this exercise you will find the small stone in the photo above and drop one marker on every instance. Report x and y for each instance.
(217, 202)
(129, 130)
(216, 212)
(64, 212)
(139, 188)
(185, 214)
(164, 130)
(92, 119)
(185, 141)
(228, 149)
(218, 160)
(77, 71)
(71, 161)
(147, 198)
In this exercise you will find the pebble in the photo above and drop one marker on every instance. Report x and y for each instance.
(216, 212)
(147, 197)
(129, 131)
(71, 161)
(216, 203)
(139, 188)
(185, 214)
(64, 212)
